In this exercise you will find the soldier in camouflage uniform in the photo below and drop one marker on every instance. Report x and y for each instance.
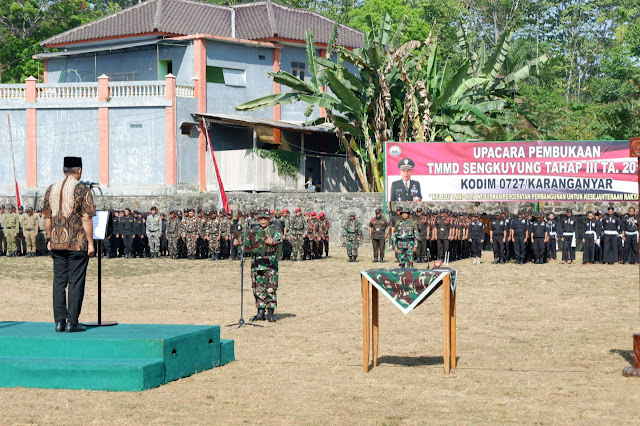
(296, 230)
(405, 239)
(189, 232)
(225, 226)
(153, 228)
(261, 246)
(213, 235)
(307, 235)
(173, 232)
(352, 234)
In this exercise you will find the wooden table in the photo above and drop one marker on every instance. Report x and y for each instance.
(448, 324)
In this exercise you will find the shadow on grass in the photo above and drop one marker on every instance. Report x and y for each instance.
(412, 361)
(626, 354)
(283, 316)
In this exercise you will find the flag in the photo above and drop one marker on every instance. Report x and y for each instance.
(222, 196)
(18, 195)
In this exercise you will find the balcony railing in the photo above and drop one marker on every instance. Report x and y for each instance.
(13, 91)
(185, 90)
(68, 91)
(137, 89)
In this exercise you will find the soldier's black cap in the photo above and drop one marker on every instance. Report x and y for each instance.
(11, 206)
(589, 212)
(29, 209)
(214, 212)
(406, 163)
(610, 208)
(378, 210)
(20, 208)
(443, 211)
(153, 208)
(520, 211)
(419, 209)
(498, 213)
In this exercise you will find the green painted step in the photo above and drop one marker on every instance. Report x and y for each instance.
(73, 373)
(124, 357)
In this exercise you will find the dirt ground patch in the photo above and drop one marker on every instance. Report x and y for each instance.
(536, 344)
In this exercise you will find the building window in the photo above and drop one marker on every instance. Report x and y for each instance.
(227, 76)
(298, 69)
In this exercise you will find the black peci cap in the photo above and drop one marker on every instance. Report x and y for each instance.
(70, 162)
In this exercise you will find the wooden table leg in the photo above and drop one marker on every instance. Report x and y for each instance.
(453, 330)
(374, 320)
(366, 336)
(446, 323)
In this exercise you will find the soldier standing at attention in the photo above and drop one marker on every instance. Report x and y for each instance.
(568, 226)
(441, 233)
(22, 242)
(378, 232)
(520, 235)
(423, 235)
(41, 239)
(213, 236)
(307, 245)
(286, 239)
(352, 234)
(153, 226)
(591, 236)
(11, 230)
(297, 227)
(224, 234)
(30, 232)
(324, 224)
(138, 232)
(235, 230)
(405, 239)
(189, 232)
(127, 222)
(395, 217)
(630, 237)
(539, 238)
(552, 230)
(163, 235)
(278, 222)
(498, 237)
(476, 237)
(3, 239)
(173, 231)
(68, 209)
(260, 245)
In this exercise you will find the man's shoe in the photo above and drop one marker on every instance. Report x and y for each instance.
(259, 316)
(375, 259)
(495, 261)
(70, 328)
(270, 315)
(381, 259)
(60, 326)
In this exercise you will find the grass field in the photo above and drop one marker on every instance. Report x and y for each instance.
(536, 344)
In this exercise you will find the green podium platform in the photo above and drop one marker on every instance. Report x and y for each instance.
(126, 357)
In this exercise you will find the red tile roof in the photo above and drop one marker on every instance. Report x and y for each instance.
(253, 21)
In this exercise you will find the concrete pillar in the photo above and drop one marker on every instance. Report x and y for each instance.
(323, 54)
(200, 80)
(276, 89)
(32, 133)
(170, 130)
(45, 76)
(103, 129)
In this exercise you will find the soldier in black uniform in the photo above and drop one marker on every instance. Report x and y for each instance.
(139, 235)
(476, 237)
(539, 238)
(630, 237)
(115, 233)
(498, 236)
(599, 217)
(406, 189)
(442, 232)
(378, 232)
(552, 230)
(164, 243)
(520, 234)
(126, 223)
(508, 245)
(610, 228)
(568, 229)
(590, 238)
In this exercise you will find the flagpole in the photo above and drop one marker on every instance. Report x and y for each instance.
(222, 196)
(13, 161)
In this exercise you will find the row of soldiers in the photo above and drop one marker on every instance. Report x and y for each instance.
(21, 232)
(606, 238)
(201, 235)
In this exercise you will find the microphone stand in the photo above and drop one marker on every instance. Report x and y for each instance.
(99, 323)
(241, 322)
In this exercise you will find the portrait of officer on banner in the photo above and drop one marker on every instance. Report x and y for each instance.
(406, 189)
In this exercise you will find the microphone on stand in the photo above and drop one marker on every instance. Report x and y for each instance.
(89, 184)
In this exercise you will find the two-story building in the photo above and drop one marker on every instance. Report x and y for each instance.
(130, 93)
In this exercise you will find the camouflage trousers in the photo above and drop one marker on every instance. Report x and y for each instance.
(172, 240)
(352, 245)
(264, 281)
(154, 242)
(214, 245)
(405, 255)
(192, 244)
(296, 242)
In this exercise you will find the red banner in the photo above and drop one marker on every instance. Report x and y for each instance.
(511, 171)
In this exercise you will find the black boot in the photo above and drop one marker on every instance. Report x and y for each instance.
(270, 315)
(381, 259)
(259, 316)
(375, 259)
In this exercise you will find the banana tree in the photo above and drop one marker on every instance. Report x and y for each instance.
(401, 92)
